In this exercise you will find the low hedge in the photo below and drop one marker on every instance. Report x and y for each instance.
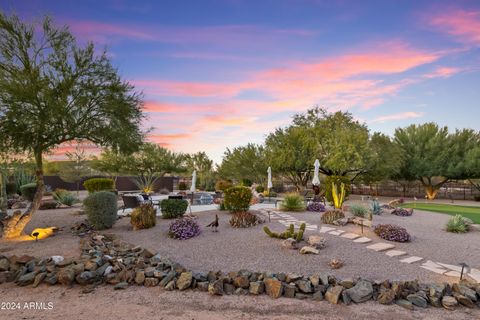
(98, 184)
(173, 208)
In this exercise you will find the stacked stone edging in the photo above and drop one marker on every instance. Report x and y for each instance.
(105, 259)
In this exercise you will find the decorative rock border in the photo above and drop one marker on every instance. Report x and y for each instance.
(107, 260)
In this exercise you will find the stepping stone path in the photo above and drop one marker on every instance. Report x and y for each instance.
(448, 270)
(395, 253)
(362, 240)
(336, 232)
(381, 246)
(351, 236)
(411, 259)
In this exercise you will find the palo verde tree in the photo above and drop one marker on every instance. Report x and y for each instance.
(53, 91)
(203, 165)
(76, 168)
(244, 163)
(433, 156)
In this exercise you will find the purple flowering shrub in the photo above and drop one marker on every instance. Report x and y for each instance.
(392, 232)
(183, 228)
(402, 212)
(315, 206)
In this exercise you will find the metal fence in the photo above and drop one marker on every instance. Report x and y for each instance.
(451, 190)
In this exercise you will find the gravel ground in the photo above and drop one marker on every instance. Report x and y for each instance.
(156, 303)
(234, 249)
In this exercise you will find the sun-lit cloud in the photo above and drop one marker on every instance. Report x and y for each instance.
(464, 25)
(397, 116)
(443, 72)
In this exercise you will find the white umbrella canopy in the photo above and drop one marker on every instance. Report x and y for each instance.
(316, 178)
(269, 182)
(194, 181)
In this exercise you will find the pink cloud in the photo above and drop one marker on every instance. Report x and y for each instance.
(442, 72)
(465, 25)
(398, 116)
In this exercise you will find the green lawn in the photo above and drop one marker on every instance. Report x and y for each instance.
(472, 213)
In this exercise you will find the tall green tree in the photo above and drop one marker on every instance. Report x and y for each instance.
(433, 156)
(244, 163)
(203, 165)
(54, 91)
(76, 168)
(111, 162)
(151, 162)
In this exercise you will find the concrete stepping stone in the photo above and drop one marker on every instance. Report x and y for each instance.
(351, 236)
(474, 274)
(326, 229)
(433, 269)
(451, 267)
(411, 259)
(431, 264)
(362, 240)
(336, 232)
(381, 246)
(454, 274)
(395, 253)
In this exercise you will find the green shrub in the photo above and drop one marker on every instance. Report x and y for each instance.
(101, 209)
(221, 206)
(338, 181)
(246, 182)
(28, 191)
(292, 202)
(457, 224)
(173, 208)
(182, 186)
(143, 217)
(11, 188)
(237, 199)
(64, 197)
(359, 211)
(329, 217)
(223, 185)
(98, 184)
(48, 205)
(259, 189)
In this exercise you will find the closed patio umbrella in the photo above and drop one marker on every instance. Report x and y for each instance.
(194, 181)
(316, 179)
(269, 182)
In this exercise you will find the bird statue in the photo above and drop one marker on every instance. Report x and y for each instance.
(214, 224)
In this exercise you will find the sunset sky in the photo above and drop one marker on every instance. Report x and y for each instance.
(219, 74)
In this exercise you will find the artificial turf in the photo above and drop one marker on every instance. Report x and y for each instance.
(470, 212)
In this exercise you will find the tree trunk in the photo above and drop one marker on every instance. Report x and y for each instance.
(431, 192)
(13, 226)
(431, 189)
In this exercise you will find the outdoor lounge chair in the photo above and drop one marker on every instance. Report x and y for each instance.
(132, 201)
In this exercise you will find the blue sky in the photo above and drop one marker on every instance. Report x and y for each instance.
(219, 74)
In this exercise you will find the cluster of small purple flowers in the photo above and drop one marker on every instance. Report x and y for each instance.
(183, 228)
(392, 232)
(402, 212)
(315, 206)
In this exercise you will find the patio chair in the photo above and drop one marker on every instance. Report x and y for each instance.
(131, 201)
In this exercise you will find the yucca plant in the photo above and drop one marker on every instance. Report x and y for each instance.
(292, 202)
(145, 183)
(338, 199)
(457, 224)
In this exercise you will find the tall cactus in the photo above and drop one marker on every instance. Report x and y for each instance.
(338, 199)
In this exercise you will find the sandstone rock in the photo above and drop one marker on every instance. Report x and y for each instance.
(4, 264)
(463, 300)
(292, 277)
(347, 283)
(151, 282)
(257, 287)
(315, 280)
(289, 290)
(404, 304)
(184, 281)
(449, 302)
(24, 259)
(465, 291)
(216, 288)
(386, 297)
(26, 279)
(361, 292)
(66, 276)
(309, 250)
(241, 292)
(139, 277)
(241, 282)
(273, 287)
(333, 294)
(304, 286)
(170, 286)
(120, 286)
(289, 243)
(417, 300)
(316, 241)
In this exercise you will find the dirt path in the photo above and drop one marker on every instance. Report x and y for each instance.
(155, 303)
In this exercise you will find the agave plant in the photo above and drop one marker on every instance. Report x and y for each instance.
(145, 183)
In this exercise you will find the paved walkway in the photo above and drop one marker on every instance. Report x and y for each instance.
(382, 247)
